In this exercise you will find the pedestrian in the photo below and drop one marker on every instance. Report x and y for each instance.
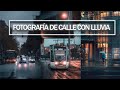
(103, 57)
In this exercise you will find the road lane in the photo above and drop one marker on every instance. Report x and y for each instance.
(71, 73)
(28, 71)
(39, 71)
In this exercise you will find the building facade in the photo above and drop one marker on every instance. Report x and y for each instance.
(92, 45)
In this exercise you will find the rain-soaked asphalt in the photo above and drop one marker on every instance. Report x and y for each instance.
(38, 70)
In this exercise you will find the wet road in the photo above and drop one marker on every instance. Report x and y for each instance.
(72, 73)
(100, 70)
(6, 70)
(38, 71)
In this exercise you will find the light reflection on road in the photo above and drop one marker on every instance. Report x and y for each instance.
(65, 75)
(72, 73)
(42, 71)
(19, 66)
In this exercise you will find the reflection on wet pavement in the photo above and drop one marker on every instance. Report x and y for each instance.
(87, 63)
(39, 70)
(65, 75)
(71, 73)
(100, 70)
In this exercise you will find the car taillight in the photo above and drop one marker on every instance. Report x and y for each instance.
(56, 63)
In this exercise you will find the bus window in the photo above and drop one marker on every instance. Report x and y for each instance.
(60, 57)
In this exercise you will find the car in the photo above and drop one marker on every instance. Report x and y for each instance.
(32, 59)
(11, 60)
(23, 59)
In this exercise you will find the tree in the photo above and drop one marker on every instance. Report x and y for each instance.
(32, 44)
(7, 41)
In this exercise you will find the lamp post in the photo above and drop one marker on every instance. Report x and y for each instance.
(68, 16)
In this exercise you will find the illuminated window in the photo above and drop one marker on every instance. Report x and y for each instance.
(104, 14)
(116, 56)
(116, 53)
(116, 13)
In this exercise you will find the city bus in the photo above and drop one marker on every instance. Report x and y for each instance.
(59, 57)
(11, 56)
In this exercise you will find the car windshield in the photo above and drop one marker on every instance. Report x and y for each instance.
(32, 57)
(24, 57)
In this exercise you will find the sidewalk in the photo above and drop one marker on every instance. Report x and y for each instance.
(96, 63)
(99, 70)
(100, 63)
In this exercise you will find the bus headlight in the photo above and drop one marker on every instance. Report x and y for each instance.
(56, 63)
(64, 62)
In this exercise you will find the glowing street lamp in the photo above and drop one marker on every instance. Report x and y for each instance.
(64, 15)
(67, 16)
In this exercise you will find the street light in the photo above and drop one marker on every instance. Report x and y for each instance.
(67, 16)
(64, 15)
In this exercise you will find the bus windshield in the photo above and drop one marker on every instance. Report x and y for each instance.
(60, 54)
(11, 54)
(60, 57)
